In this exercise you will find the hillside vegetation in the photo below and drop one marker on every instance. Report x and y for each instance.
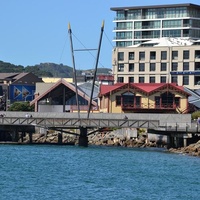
(47, 69)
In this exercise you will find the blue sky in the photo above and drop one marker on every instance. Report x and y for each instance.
(36, 31)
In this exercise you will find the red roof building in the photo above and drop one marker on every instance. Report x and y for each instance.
(143, 97)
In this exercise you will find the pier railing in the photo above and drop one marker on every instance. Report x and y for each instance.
(76, 122)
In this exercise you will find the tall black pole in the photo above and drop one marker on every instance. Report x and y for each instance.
(95, 71)
(74, 69)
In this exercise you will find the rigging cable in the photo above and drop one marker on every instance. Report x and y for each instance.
(86, 49)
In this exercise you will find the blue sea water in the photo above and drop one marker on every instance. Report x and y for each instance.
(34, 172)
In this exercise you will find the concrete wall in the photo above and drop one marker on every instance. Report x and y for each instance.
(52, 108)
(165, 119)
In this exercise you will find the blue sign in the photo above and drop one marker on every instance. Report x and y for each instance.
(22, 92)
(186, 73)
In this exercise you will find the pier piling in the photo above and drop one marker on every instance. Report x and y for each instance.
(83, 139)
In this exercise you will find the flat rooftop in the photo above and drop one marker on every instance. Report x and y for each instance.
(156, 6)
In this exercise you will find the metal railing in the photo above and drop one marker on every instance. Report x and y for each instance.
(77, 122)
(149, 106)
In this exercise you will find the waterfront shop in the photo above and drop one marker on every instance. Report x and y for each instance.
(143, 98)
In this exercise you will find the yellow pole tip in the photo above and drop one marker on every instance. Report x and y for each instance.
(69, 27)
(103, 23)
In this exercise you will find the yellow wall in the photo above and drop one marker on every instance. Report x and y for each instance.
(54, 80)
(110, 105)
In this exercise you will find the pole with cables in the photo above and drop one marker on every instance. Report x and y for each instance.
(95, 71)
(74, 69)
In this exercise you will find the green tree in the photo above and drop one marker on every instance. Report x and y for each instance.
(21, 106)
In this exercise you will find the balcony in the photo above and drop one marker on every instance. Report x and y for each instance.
(151, 27)
(122, 37)
(123, 28)
(146, 36)
(150, 107)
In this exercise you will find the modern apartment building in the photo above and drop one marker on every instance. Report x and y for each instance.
(158, 44)
(142, 23)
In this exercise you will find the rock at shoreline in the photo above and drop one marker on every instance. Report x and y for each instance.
(110, 140)
(192, 149)
(50, 138)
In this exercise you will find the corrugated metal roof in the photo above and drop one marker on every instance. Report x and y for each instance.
(86, 87)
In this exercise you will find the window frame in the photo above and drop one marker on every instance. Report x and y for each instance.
(141, 67)
(120, 56)
(131, 69)
(131, 55)
(186, 54)
(142, 55)
(163, 55)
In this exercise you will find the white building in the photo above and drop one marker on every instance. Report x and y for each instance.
(164, 60)
(158, 44)
(142, 23)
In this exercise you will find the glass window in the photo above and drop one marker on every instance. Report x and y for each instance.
(186, 54)
(197, 80)
(174, 79)
(172, 23)
(186, 66)
(185, 80)
(137, 101)
(131, 56)
(137, 25)
(197, 66)
(118, 100)
(124, 35)
(128, 99)
(141, 55)
(152, 79)
(124, 25)
(120, 67)
(163, 79)
(141, 67)
(177, 101)
(174, 66)
(141, 79)
(120, 79)
(131, 79)
(163, 55)
(197, 54)
(131, 67)
(163, 67)
(123, 43)
(175, 55)
(171, 33)
(152, 67)
(157, 101)
(120, 56)
(137, 34)
(152, 55)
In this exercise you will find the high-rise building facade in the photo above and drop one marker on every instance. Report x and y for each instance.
(157, 44)
(141, 23)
